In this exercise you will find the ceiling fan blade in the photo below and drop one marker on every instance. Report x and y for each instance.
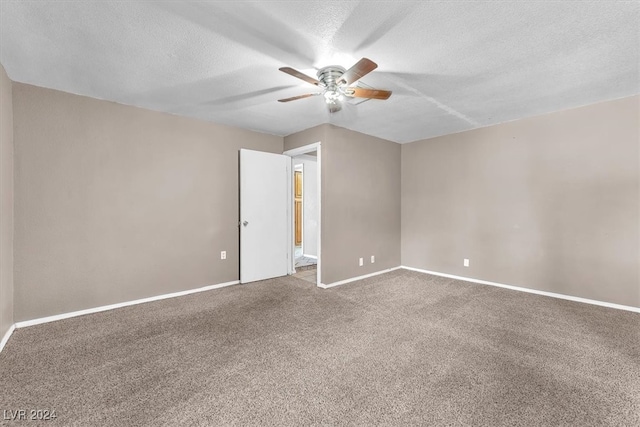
(298, 74)
(361, 69)
(360, 92)
(293, 98)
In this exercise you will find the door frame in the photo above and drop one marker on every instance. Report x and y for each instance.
(316, 146)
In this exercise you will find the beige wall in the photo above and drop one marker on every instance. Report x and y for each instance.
(360, 200)
(115, 203)
(6, 203)
(549, 203)
(306, 137)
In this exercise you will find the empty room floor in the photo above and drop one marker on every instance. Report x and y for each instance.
(307, 273)
(402, 348)
(306, 267)
(302, 260)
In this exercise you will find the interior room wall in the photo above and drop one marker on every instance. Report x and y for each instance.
(115, 203)
(307, 137)
(309, 204)
(548, 203)
(6, 203)
(360, 208)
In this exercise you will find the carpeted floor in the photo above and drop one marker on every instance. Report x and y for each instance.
(402, 348)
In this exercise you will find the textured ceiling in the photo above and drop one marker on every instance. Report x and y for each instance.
(452, 65)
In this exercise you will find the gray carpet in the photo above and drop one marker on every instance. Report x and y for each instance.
(402, 348)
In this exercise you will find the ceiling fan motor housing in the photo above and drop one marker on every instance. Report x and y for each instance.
(329, 76)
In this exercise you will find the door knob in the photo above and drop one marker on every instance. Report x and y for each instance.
(245, 223)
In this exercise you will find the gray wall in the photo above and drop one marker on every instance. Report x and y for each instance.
(115, 203)
(360, 200)
(549, 203)
(6, 203)
(309, 204)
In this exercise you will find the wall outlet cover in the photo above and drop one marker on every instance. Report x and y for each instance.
(361, 262)
(466, 262)
(373, 259)
(223, 255)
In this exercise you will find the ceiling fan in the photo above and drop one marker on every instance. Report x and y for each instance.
(335, 83)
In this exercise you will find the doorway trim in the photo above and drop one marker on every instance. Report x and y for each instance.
(316, 146)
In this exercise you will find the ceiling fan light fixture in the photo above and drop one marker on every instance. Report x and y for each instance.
(334, 108)
(332, 96)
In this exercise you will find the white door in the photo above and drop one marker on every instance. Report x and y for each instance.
(263, 215)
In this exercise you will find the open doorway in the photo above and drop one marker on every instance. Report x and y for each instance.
(305, 209)
(305, 218)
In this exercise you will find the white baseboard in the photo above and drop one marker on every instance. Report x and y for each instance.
(531, 291)
(353, 279)
(120, 305)
(310, 256)
(38, 321)
(6, 337)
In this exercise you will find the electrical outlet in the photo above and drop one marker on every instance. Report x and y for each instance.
(466, 262)
(361, 262)
(223, 255)
(373, 259)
